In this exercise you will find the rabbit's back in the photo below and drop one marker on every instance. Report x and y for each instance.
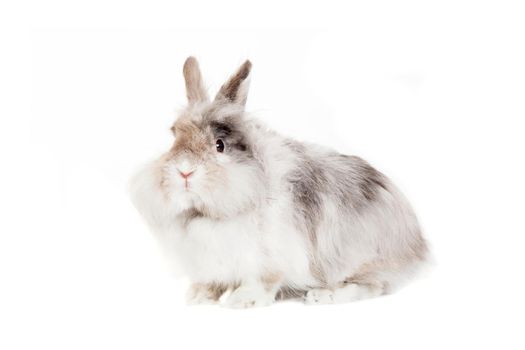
(354, 219)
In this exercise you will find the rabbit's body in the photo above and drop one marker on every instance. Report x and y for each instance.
(265, 214)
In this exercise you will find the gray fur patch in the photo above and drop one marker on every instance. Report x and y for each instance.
(352, 181)
(308, 181)
(357, 182)
(348, 181)
(230, 131)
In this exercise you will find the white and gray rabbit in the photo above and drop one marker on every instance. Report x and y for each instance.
(243, 209)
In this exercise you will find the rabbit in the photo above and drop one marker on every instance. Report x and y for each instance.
(251, 216)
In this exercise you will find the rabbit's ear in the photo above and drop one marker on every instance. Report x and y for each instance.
(194, 87)
(235, 90)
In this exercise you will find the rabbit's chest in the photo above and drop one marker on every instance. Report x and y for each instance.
(227, 250)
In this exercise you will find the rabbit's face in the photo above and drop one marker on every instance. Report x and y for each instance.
(210, 166)
(205, 146)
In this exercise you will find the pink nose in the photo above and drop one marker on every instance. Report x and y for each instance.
(185, 175)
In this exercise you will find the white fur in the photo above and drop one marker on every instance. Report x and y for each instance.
(249, 229)
(232, 250)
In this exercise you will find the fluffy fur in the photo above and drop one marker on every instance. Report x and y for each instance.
(269, 216)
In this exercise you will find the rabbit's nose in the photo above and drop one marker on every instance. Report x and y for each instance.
(185, 175)
(185, 168)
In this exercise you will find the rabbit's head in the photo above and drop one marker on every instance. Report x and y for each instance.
(211, 169)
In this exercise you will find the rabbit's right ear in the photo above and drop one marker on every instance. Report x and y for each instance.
(194, 87)
(235, 90)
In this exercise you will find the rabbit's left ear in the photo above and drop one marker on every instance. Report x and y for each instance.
(235, 90)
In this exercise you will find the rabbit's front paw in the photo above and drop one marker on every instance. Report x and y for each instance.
(249, 296)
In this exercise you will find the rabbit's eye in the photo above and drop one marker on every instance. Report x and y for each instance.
(219, 145)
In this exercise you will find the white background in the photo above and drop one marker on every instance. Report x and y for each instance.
(431, 93)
